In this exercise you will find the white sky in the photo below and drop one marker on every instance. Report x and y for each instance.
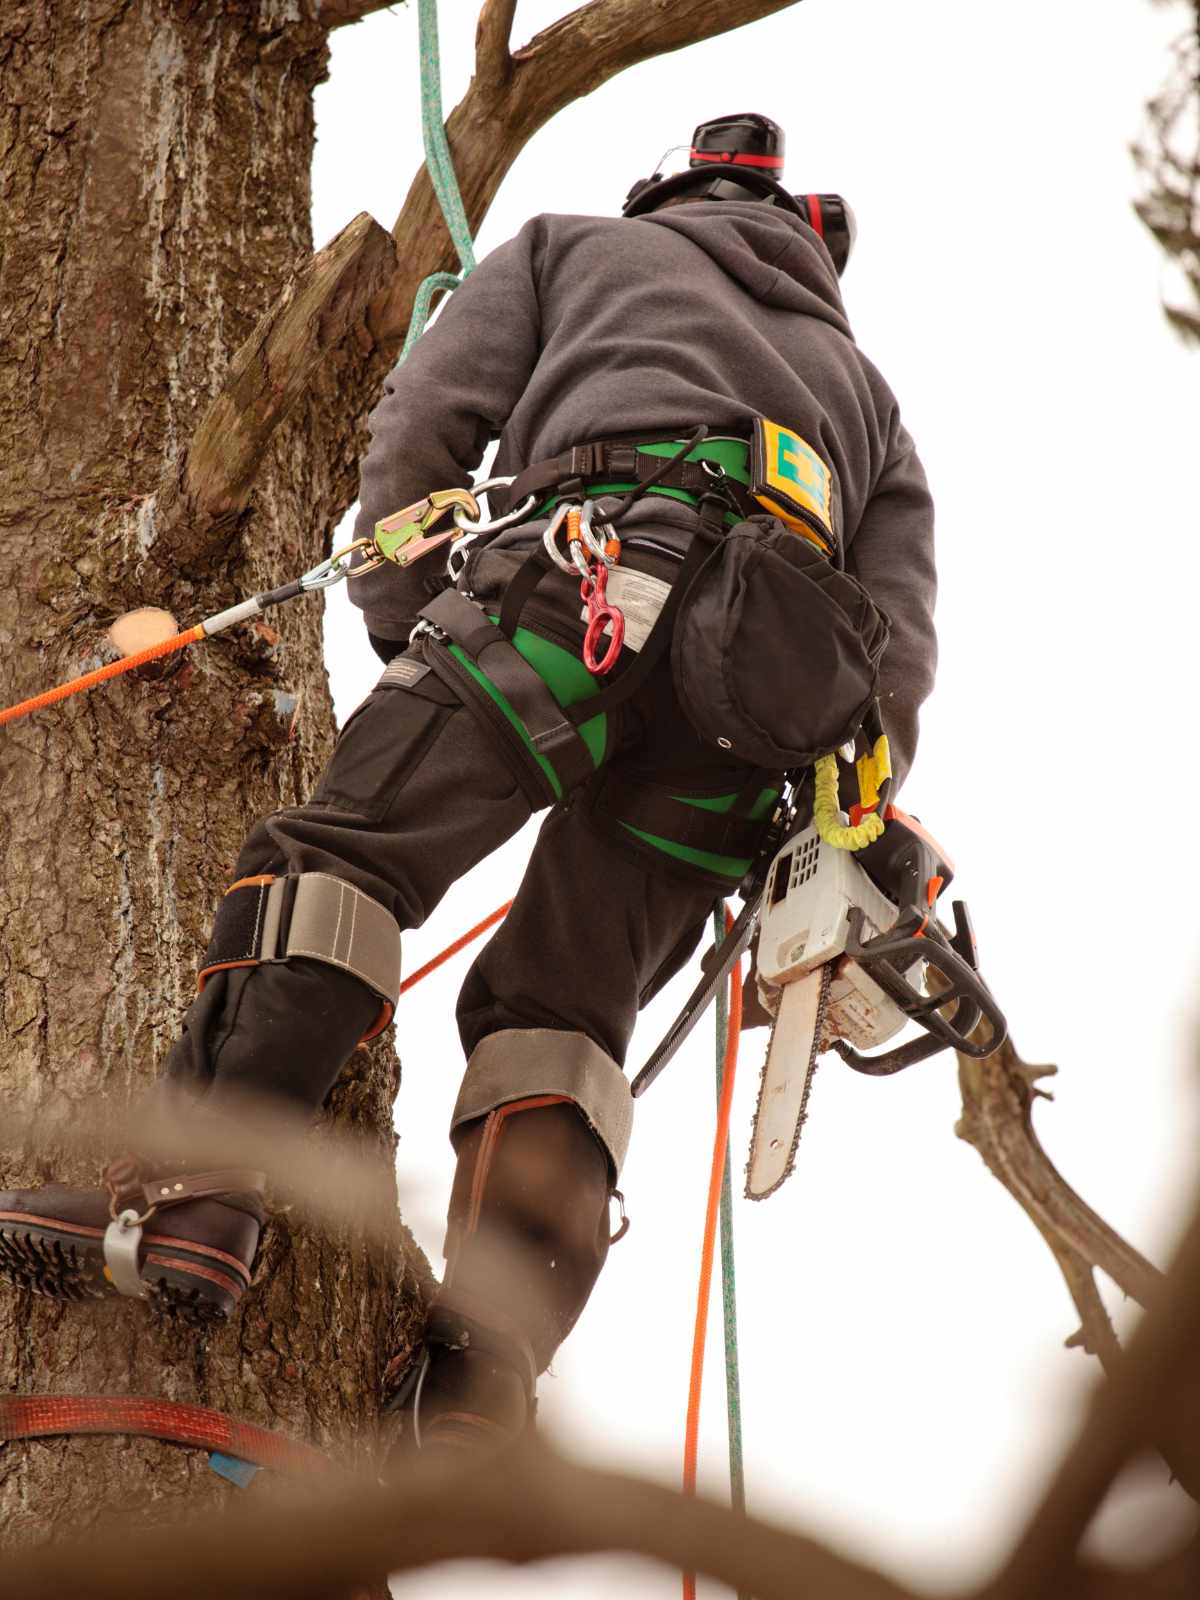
(905, 1390)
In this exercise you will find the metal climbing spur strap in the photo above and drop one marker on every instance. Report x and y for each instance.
(310, 914)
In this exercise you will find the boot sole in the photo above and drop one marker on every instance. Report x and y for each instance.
(193, 1283)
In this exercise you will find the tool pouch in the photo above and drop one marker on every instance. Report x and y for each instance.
(776, 653)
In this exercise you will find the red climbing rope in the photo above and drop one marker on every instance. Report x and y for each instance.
(459, 944)
(101, 675)
(691, 1436)
(41, 1416)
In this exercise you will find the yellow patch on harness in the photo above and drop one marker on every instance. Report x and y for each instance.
(791, 480)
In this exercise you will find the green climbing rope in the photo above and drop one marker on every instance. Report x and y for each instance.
(441, 175)
(733, 1387)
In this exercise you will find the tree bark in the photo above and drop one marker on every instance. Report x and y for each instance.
(154, 186)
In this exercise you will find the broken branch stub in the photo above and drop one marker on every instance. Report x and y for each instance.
(322, 302)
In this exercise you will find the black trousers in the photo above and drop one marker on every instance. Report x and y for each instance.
(418, 791)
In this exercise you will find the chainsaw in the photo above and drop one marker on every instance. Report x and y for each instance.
(850, 949)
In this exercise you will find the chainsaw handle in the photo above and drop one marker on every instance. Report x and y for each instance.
(889, 956)
(965, 1019)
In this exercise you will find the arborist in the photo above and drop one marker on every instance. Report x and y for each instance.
(714, 554)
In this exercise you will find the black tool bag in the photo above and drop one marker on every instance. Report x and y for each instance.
(775, 653)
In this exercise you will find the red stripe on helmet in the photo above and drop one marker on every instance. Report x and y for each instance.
(737, 158)
(816, 221)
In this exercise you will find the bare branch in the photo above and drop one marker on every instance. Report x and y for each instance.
(540, 1505)
(323, 301)
(337, 13)
(493, 60)
(998, 1094)
(1128, 1414)
(496, 119)
(1167, 157)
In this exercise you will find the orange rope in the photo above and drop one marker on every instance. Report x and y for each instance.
(453, 949)
(691, 1439)
(102, 674)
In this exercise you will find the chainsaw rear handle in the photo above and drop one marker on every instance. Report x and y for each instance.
(888, 957)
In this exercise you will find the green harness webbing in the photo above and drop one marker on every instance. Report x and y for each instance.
(731, 455)
(441, 175)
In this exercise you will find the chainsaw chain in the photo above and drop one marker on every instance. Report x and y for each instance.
(802, 1115)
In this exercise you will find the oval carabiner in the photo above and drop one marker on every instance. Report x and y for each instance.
(601, 615)
(550, 540)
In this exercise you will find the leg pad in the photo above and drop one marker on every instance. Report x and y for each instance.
(523, 1063)
(311, 914)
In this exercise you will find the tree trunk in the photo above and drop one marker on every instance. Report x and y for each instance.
(154, 186)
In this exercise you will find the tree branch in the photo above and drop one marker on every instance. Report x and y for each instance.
(1128, 1414)
(323, 302)
(998, 1094)
(539, 1505)
(338, 13)
(496, 118)
(493, 60)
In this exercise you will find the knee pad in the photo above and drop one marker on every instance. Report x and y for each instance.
(312, 915)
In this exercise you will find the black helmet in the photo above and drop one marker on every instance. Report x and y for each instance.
(752, 145)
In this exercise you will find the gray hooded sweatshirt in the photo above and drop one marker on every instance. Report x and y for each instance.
(585, 327)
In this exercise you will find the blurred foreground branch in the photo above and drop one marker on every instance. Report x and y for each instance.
(534, 1504)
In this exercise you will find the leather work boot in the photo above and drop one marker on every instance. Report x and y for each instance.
(527, 1237)
(185, 1241)
(472, 1391)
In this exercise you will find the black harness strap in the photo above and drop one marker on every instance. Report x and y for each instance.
(552, 732)
(619, 461)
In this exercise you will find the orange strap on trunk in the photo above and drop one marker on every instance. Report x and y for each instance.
(42, 1416)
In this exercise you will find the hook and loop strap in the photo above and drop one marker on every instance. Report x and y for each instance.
(36, 1416)
(311, 914)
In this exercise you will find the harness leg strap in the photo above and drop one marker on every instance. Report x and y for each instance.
(310, 914)
(552, 733)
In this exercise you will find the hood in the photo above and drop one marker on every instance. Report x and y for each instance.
(771, 254)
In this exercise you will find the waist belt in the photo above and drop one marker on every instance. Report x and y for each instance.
(616, 465)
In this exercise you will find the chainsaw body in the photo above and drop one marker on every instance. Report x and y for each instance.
(870, 916)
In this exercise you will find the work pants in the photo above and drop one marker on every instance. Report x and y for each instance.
(420, 789)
